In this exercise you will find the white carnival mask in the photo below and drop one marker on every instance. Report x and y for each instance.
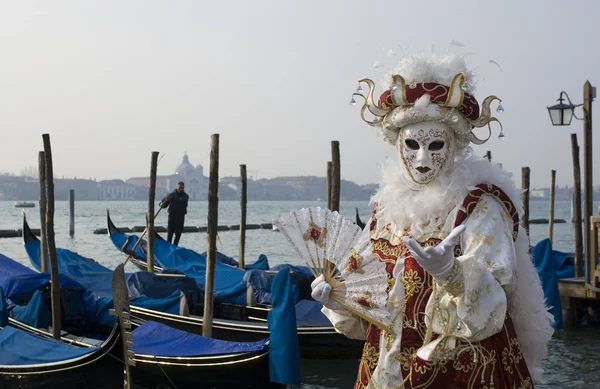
(425, 149)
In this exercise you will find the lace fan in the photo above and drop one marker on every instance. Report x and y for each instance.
(338, 249)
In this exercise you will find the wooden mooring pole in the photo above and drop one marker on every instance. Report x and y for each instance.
(488, 155)
(577, 206)
(590, 263)
(335, 175)
(243, 202)
(328, 183)
(211, 235)
(43, 201)
(525, 197)
(71, 212)
(151, 198)
(552, 195)
(54, 281)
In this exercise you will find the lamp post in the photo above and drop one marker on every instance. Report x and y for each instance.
(561, 115)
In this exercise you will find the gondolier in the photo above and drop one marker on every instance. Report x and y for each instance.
(177, 201)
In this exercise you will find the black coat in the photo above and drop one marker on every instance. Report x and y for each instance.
(177, 203)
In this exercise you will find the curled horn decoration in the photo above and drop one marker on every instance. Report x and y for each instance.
(478, 141)
(485, 117)
(370, 104)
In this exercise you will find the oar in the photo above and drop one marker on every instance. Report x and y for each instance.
(142, 236)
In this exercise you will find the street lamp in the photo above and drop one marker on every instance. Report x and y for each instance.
(561, 114)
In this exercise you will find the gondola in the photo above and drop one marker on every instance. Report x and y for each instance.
(358, 221)
(124, 243)
(33, 361)
(316, 335)
(31, 358)
(159, 355)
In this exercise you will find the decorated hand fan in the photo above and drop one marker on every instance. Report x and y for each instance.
(339, 250)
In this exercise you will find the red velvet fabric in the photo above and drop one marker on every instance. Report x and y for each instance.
(438, 94)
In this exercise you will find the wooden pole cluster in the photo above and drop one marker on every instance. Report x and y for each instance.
(54, 281)
(243, 202)
(590, 263)
(328, 187)
(43, 201)
(335, 176)
(552, 195)
(151, 198)
(525, 197)
(71, 212)
(211, 235)
(577, 205)
(488, 155)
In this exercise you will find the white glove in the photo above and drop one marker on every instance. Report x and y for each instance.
(439, 260)
(320, 292)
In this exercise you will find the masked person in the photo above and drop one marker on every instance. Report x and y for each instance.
(465, 300)
(177, 201)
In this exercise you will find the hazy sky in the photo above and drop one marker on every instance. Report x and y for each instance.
(112, 81)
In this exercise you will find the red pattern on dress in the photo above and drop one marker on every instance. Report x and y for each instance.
(503, 367)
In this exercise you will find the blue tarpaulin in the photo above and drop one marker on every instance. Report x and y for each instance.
(228, 284)
(17, 280)
(22, 348)
(284, 352)
(147, 290)
(308, 314)
(3, 309)
(544, 261)
(262, 263)
(98, 279)
(152, 338)
(36, 313)
(119, 240)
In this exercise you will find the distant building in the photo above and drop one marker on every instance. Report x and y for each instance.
(196, 184)
(539, 193)
(117, 190)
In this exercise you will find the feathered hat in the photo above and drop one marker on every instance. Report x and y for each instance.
(429, 88)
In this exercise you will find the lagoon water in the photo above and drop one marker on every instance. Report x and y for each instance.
(574, 360)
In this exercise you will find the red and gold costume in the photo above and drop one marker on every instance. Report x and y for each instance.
(483, 323)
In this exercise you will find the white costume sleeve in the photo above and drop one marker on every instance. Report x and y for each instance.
(346, 323)
(472, 303)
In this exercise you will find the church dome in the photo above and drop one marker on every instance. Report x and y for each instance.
(200, 170)
(185, 168)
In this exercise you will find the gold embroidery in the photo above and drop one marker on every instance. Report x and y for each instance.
(405, 357)
(455, 284)
(478, 238)
(370, 356)
(464, 361)
(412, 283)
(526, 384)
(391, 282)
(354, 262)
(481, 208)
(389, 337)
(316, 234)
(384, 247)
(511, 356)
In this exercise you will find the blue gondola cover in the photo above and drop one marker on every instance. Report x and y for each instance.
(152, 338)
(543, 260)
(22, 348)
(284, 354)
(3, 309)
